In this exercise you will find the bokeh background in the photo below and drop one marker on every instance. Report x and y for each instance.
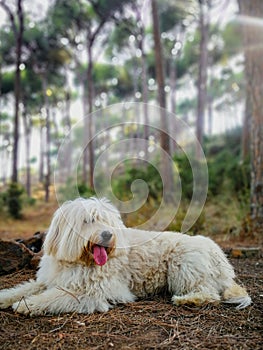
(77, 77)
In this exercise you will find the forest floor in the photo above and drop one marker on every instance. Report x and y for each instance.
(146, 324)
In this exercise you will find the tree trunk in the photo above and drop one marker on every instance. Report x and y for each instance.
(41, 153)
(253, 36)
(166, 164)
(5, 157)
(85, 137)
(209, 115)
(173, 78)
(144, 93)
(246, 126)
(19, 38)
(6, 163)
(55, 126)
(136, 116)
(27, 129)
(202, 73)
(48, 141)
(67, 132)
(159, 64)
(88, 124)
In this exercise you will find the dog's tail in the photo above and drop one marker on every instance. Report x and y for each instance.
(236, 294)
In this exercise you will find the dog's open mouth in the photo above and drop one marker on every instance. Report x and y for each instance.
(100, 254)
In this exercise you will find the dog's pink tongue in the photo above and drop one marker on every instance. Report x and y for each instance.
(100, 255)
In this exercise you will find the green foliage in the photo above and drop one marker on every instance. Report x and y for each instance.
(172, 13)
(72, 190)
(7, 47)
(186, 105)
(4, 117)
(119, 37)
(105, 9)
(13, 199)
(228, 178)
(189, 55)
(124, 86)
(28, 201)
(232, 36)
(102, 76)
(63, 14)
(122, 185)
(2, 201)
(85, 191)
(185, 174)
(176, 224)
(7, 83)
(227, 173)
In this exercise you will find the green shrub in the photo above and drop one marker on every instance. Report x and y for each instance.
(228, 175)
(28, 200)
(176, 224)
(121, 186)
(85, 191)
(71, 190)
(2, 201)
(185, 174)
(217, 169)
(14, 199)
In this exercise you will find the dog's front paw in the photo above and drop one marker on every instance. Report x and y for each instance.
(21, 307)
(4, 304)
(5, 301)
(27, 307)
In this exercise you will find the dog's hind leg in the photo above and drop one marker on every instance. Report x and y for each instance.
(195, 298)
(11, 295)
(237, 295)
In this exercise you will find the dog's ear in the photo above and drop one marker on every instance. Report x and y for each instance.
(64, 239)
(53, 235)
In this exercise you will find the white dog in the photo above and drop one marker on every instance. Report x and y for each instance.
(92, 261)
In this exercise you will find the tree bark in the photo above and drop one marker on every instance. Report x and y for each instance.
(253, 37)
(90, 117)
(166, 163)
(68, 129)
(18, 30)
(27, 129)
(144, 90)
(173, 79)
(245, 147)
(42, 152)
(209, 115)
(48, 140)
(88, 153)
(85, 137)
(19, 39)
(202, 73)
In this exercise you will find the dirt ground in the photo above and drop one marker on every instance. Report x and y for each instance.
(145, 324)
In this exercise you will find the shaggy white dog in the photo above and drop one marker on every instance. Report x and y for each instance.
(92, 261)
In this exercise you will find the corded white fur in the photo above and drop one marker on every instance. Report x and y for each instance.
(194, 270)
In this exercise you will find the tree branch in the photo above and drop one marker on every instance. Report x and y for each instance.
(96, 31)
(10, 15)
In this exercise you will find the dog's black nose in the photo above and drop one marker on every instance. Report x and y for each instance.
(106, 235)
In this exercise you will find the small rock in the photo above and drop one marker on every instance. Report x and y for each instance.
(244, 252)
